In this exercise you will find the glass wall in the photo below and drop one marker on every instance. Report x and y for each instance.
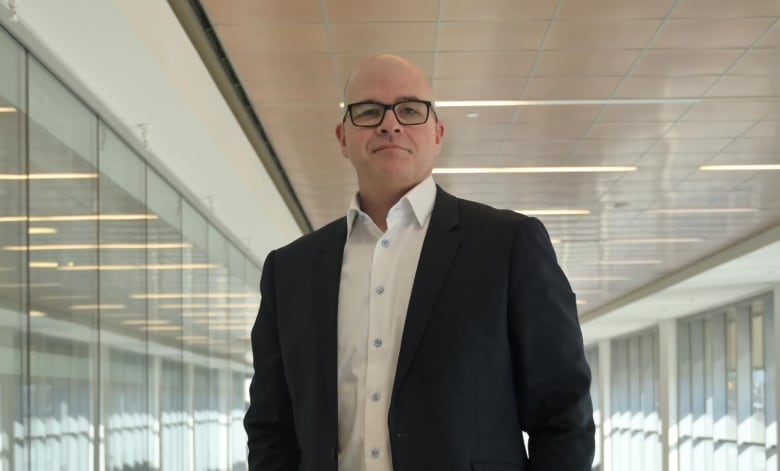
(124, 313)
(636, 427)
(726, 367)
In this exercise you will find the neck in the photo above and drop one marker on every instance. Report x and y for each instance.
(377, 203)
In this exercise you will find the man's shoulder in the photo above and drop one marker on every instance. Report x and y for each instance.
(317, 239)
(475, 212)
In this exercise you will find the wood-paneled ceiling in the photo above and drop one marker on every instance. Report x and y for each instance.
(665, 86)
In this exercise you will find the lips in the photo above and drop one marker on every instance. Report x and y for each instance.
(382, 147)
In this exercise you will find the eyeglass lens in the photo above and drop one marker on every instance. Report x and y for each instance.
(372, 114)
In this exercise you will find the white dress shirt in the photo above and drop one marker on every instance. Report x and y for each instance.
(377, 274)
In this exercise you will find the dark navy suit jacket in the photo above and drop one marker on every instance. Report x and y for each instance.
(491, 347)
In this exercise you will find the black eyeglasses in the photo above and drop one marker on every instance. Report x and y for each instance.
(367, 114)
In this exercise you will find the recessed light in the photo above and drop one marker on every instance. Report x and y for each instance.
(702, 210)
(739, 167)
(480, 170)
(472, 115)
(553, 212)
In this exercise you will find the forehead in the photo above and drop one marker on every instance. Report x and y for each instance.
(387, 81)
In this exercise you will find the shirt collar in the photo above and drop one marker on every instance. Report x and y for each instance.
(419, 201)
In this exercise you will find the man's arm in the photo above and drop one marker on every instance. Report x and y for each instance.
(269, 421)
(551, 374)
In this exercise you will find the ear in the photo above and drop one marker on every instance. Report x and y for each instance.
(341, 136)
(439, 135)
(439, 132)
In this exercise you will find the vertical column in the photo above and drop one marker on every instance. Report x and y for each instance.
(743, 385)
(773, 437)
(667, 399)
(605, 380)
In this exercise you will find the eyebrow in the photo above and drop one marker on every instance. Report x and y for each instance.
(398, 100)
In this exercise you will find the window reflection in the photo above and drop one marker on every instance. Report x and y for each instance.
(732, 404)
(636, 432)
(136, 325)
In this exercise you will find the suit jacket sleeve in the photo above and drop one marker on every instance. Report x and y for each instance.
(551, 375)
(269, 421)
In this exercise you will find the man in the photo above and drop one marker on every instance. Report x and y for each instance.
(422, 331)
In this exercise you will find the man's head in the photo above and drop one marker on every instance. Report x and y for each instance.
(390, 156)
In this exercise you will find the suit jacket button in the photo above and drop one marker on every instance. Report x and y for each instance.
(333, 454)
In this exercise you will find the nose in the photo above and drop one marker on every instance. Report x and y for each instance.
(389, 123)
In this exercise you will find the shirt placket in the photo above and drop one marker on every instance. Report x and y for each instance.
(377, 385)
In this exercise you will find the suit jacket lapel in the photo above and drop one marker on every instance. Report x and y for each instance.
(326, 297)
(438, 250)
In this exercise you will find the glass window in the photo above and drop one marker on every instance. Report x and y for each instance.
(123, 246)
(63, 279)
(636, 439)
(730, 429)
(13, 263)
(125, 313)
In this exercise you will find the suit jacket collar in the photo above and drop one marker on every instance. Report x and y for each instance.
(439, 248)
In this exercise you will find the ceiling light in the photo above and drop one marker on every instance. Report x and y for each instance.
(176, 266)
(604, 101)
(7, 109)
(161, 328)
(76, 218)
(192, 295)
(30, 285)
(481, 170)
(598, 278)
(553, 212)
(44, 264)
(740, 167)
(93, 307)
(581, 302)
(37, 314)
(702, 210)
(472, 115)
(193, 338)
(97, 246)
(205, 306)
(41, 230)
(145, 322)
(672, 240)
(625, 262)
(198, 315)
(47, 176)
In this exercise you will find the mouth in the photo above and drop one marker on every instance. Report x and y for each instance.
(382, 147)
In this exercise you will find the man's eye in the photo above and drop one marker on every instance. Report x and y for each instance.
(408, 110)
(368, 113)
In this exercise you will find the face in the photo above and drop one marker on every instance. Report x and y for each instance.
(390, 156)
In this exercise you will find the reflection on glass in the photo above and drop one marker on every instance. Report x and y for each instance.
(13, 271)
(63, 357)
(757, 379)
(731, 374)
(123, 366)
(636, 430)
(735, 406)
(135, 327)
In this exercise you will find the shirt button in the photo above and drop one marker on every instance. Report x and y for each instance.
(385, 243)
(377, 343)
(375, 453)
(380, 289)
(375, 397)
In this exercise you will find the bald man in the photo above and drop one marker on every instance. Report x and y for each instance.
(421, 331)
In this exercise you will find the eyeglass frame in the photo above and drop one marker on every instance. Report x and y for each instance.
(428, 107)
